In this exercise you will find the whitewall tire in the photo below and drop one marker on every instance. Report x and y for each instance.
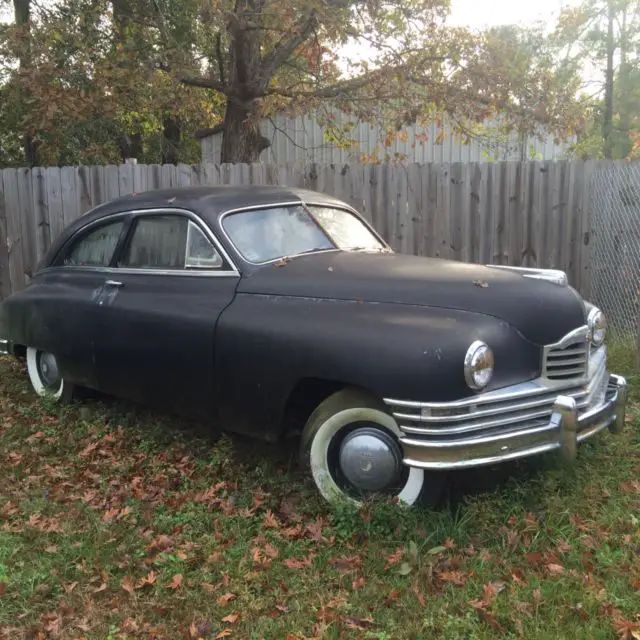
(347, 414)
(45, 377)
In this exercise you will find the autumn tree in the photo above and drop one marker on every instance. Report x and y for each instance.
(268, 55)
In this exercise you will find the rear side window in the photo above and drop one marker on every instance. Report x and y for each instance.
(169, 242)
(95, 248)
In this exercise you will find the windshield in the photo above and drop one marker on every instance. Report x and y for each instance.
(268, 234)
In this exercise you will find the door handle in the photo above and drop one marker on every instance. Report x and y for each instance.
(113, 283)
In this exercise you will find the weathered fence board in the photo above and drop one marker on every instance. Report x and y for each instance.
(530, 213)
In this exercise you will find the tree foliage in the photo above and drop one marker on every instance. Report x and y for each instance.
(603, 38)
(91, 81)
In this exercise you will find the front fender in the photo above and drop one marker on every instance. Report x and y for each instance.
(265, 344)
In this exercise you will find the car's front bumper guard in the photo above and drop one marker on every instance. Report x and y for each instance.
(563, 432)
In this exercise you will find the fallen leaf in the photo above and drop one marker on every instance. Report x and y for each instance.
(563, 546)
(358, 624)
(52, 549)
(102, 587)
(231, 618)
(226, 598)
(225, 633)
(270, 521)
(480, 283)
(358, 583)
(420, 596)
(176, 582)
(271, 551)
(127, 584)
(534, 558)
(453, 577)
(394, 558)
(555, 569)
(149, 579)
(404, 569)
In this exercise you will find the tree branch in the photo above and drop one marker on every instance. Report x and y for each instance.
(285, 47)
(204, 83)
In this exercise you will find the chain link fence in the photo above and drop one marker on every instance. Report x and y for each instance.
(615, 262)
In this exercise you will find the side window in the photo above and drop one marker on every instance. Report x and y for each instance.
(95, 248)
(169, 242)
(201, 254)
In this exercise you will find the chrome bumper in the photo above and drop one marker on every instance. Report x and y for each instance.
(4, 347)
(568, 425)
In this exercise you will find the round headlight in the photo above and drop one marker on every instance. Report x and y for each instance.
(597, 326)
(478, 365)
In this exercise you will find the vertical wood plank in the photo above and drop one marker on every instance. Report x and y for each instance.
(14, 245)
(183, 175)
(485, 253)
(167, 176)
(401, 209)
(83, 183)
(5, 278)
(70, 194)
(27, 227)
(40, 212)
(514, 219)
(111, 182)
(54, 198)
(584, 208)
(443, 206)
(575, 176)
(475, 214)
(430, 209)
(125, 179)
(414, 228)
(457, 182)
(97, 186)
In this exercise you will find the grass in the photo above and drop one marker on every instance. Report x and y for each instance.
(121, 523)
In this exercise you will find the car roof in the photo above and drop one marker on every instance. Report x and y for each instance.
(211, 201)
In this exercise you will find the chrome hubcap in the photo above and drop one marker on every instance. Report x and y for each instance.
(370, 459)
(48, 370)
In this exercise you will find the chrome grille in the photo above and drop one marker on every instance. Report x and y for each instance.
(522, 407)
(567, 359)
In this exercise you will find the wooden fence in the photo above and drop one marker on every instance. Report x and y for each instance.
(529, 214)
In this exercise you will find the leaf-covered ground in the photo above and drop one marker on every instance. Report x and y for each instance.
(119, 522)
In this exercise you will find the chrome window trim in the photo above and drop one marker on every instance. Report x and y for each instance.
(291, 203)
(195, 218)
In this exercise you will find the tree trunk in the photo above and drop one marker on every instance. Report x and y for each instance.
(22, 15)
(242, 141)
(171, 141)
(607, 120)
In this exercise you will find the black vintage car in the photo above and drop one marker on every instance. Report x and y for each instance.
(269, 310)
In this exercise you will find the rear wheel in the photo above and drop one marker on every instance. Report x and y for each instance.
(351, 446)
(45, 376)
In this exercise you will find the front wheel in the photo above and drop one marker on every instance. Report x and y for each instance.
(351, 445)
(45, 376)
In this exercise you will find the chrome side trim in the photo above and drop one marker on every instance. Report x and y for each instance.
(195, 218)
(551, 275)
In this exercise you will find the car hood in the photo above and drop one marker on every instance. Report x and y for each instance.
(542, 311)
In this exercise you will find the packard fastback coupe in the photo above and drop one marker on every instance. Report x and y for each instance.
(268, 310)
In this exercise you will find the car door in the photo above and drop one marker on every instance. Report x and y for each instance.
(66, 295)
(156, 339)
